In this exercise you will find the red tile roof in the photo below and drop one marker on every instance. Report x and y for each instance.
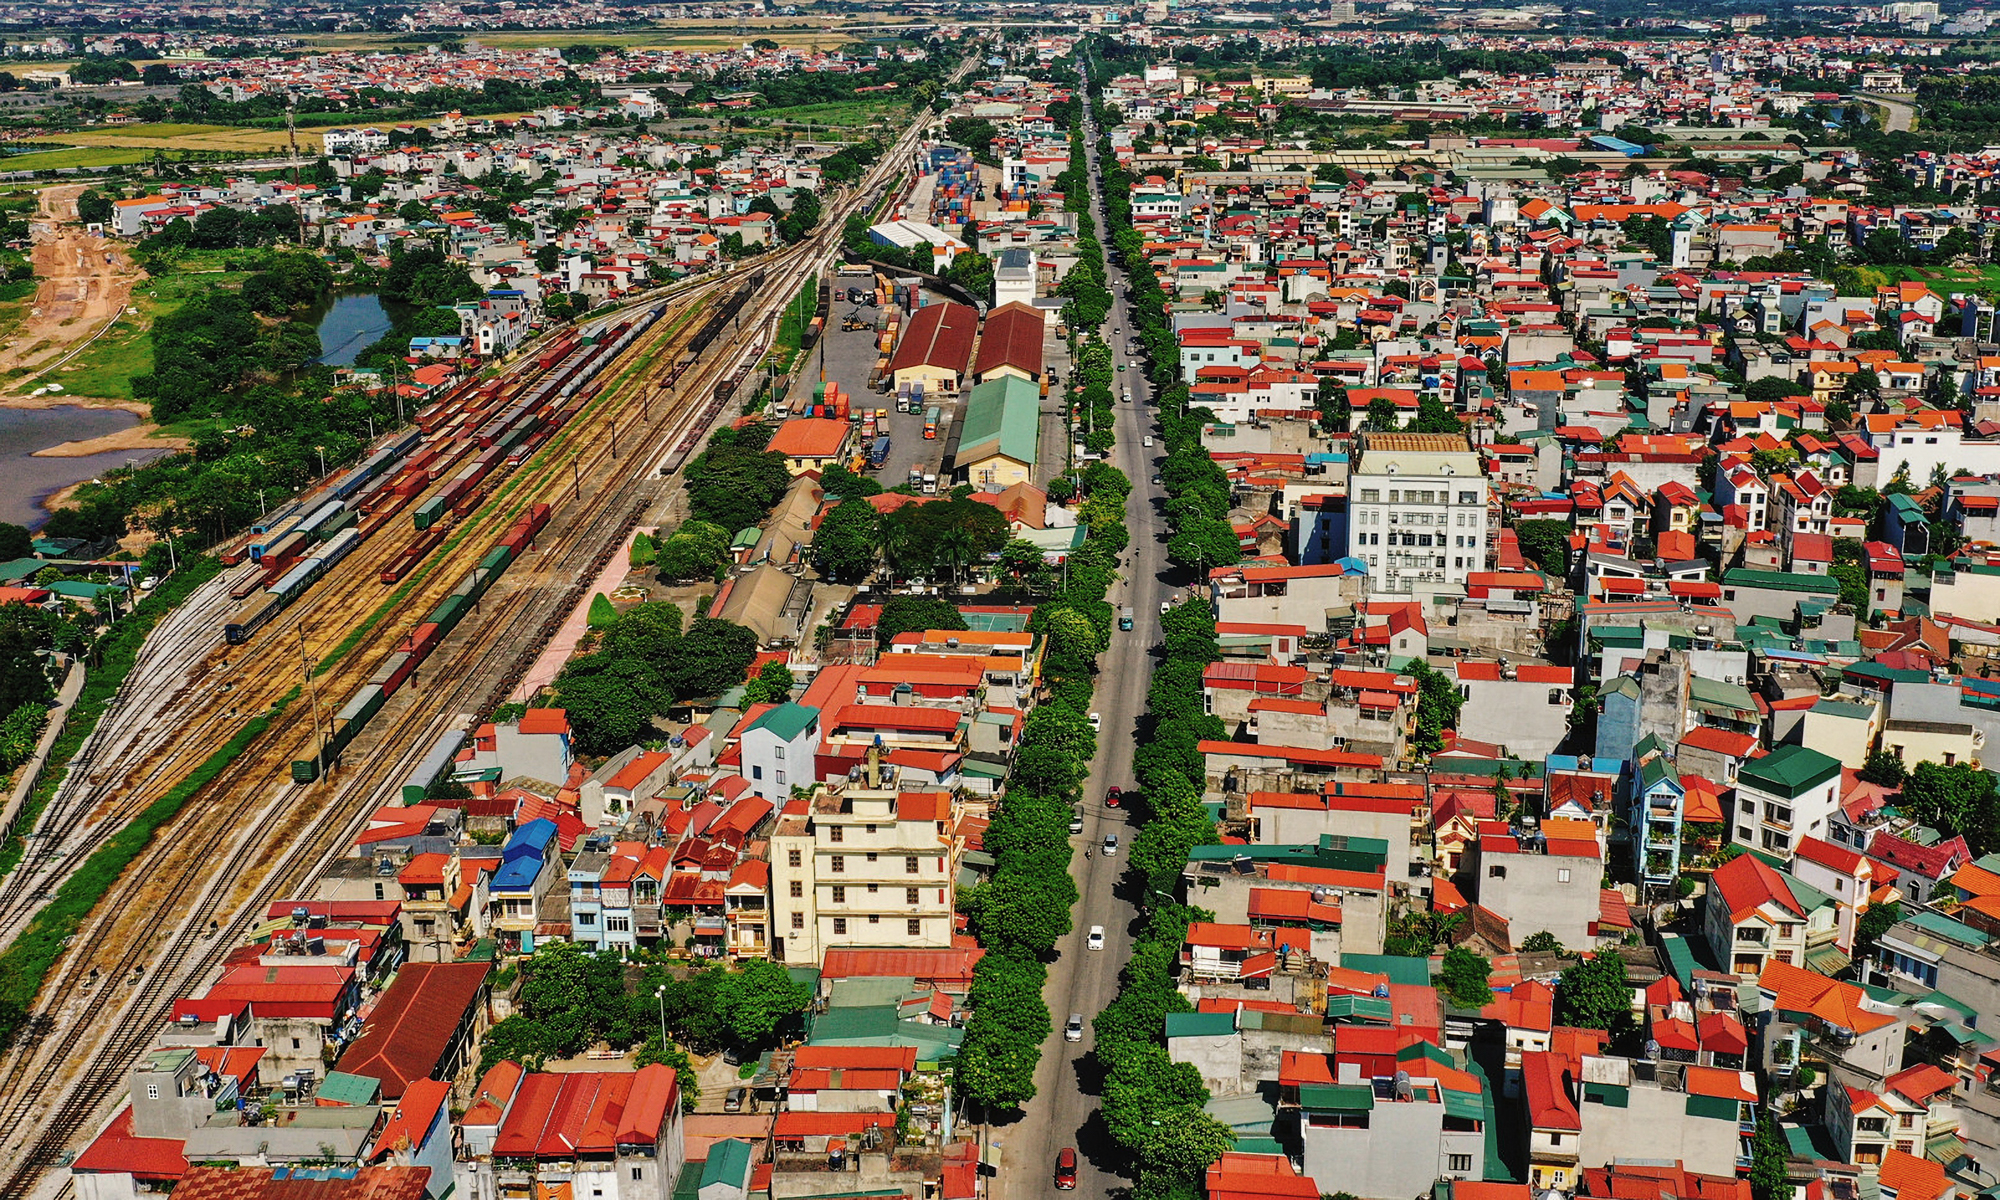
(1745, 883)
(264, 1183)
(1012, 338)
(937, 335)
(117, 1152)
(413, 1026)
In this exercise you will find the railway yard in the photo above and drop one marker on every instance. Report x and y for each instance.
(297, 690)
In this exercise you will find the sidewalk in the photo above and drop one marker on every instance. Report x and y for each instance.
(550, 662)
(31, 771)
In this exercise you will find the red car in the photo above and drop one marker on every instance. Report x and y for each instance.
(1112, 796)
(1066, 1169)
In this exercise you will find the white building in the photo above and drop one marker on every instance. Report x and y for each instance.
(1784, 796)
(778, 750)
(858, 866)
(1417, 512)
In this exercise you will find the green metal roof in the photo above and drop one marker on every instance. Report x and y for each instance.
(1783, 581)
(1002, 416)
(1399, 968)
(1180, 1025)
(787, 722)
(1337, 1097)
(1680, 958)
(343, 1088)
(1790, 770)
(1365, 1008)
(728, 1162)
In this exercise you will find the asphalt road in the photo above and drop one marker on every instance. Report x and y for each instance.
(1064, 1110)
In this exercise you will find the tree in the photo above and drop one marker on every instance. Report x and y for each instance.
(773, 684)
(1769, 1152)
(1958, 799)
(1593, 994)
(1433, 417)
(556, 994)
(1438, 705)
(1883, 768)
(1546, 544)
(1382, 414)
(93, 207)
(15, 542)
(1873, 924)
(1543, 942)
(916, 614)
(710, 658)
(1462, 978)
(1775, 387)
(844, 547)
(518, 1038)
(758, 1001)
(1202, 543)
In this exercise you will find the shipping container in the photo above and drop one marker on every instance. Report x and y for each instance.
(430, 511)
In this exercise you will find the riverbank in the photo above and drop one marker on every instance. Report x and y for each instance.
(137, 408)
(139, 437)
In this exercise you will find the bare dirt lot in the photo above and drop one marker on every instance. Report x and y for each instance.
(85, 282)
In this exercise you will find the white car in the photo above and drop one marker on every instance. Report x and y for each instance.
(1095, 940)
(1073, 1028)
(1110, 845)
(1147, 441)
(1096, 722)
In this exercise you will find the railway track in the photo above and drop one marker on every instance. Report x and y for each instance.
(124, 968)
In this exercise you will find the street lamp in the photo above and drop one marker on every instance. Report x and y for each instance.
(660, 994)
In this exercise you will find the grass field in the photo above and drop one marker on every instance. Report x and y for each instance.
(849, 114)
(168, 136)
(105, 371)
(76, 156)
(1939, 277)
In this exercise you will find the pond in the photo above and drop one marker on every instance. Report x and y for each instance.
(350, 323)
(28, 480)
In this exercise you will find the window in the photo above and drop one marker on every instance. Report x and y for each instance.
(798, 889)
(295, 1043)
(872, 856)
(781, 778)
(874, 888)
(839, 864)
(378, 887)
(1458, 1162)
(839, 894)
(840, 926)
(1496, 872)
(836, 834)
(778, 752)
(756, 772)
(1555, 1139)
(152, 1091)
(1468, 497)
(795, 858)
(909, 895)
(1556, 696)
(798, 920)
(874, 918)
(910, 865)
(916, 927)
(1562, 874)
(586, 918)
(638, 1173)
(618, 924)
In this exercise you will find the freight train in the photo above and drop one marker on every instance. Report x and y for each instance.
(253, 614)
(402, 662)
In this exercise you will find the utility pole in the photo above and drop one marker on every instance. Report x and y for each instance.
(312, 694)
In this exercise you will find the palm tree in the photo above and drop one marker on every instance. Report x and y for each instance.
(954, 551)
(892, 542)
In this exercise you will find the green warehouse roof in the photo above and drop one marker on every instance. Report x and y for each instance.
(1002, 416)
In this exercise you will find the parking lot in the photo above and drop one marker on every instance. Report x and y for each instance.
(848, 358)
